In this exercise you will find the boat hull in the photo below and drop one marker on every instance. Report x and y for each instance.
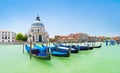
(98, 46)
(36, 53)
(55, 51)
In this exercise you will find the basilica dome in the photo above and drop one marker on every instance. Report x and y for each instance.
(37, 23)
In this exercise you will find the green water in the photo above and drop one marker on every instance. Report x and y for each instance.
(101, 60)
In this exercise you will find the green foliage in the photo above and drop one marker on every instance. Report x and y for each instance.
(21, 37)
(24, 38)
(51, 40)
(107, 38)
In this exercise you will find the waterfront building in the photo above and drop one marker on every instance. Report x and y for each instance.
(77, 37)
(59, 38)
(7, 36)
(116, 38)
(101, 38)
(37, 32)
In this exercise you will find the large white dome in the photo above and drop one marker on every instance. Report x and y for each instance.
(37, 23)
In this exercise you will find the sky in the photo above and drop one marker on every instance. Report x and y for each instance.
(62, 17)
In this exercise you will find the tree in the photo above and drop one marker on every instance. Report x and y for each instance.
(51, 39)
(19, 36)
(24, 38)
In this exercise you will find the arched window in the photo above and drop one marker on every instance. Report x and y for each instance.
(2, 40)
(32, 30)
(8, 40)
(38, 30)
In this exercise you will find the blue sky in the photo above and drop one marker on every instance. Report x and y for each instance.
(62, 17)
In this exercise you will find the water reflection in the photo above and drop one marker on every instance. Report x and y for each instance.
(86, 53)
(40, 61)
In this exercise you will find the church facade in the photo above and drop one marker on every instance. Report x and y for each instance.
(37, 32)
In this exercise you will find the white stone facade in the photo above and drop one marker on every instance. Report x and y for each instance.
(37, 32)
(7, 36)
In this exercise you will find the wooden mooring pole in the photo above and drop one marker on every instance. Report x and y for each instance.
(30, 49)
(23, 47)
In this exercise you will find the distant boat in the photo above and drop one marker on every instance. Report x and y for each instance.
(41, 53)
(82, 48)
(97, 46)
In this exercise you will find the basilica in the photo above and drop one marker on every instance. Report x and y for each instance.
(37, 32)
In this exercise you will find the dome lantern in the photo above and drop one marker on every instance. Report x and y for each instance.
(37, 18)
(37, 23)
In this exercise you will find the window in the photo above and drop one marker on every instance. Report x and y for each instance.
(8, 37)
(2, 34)
(2, 40)
(38, 30)
(8, 33)
(12, 40)
(32, 31)
(8, 40)
(12, 37)
(5, 33)
(13, 34)
(5, 37)
(2, 37)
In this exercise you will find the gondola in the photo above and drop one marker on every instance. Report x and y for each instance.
(57, 51)
(90, 48)
(82, 48)
(73, 48)
(97, 46)
(60, 51)
(39, 53)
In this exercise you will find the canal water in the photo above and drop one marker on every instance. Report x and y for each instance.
(99, 60)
